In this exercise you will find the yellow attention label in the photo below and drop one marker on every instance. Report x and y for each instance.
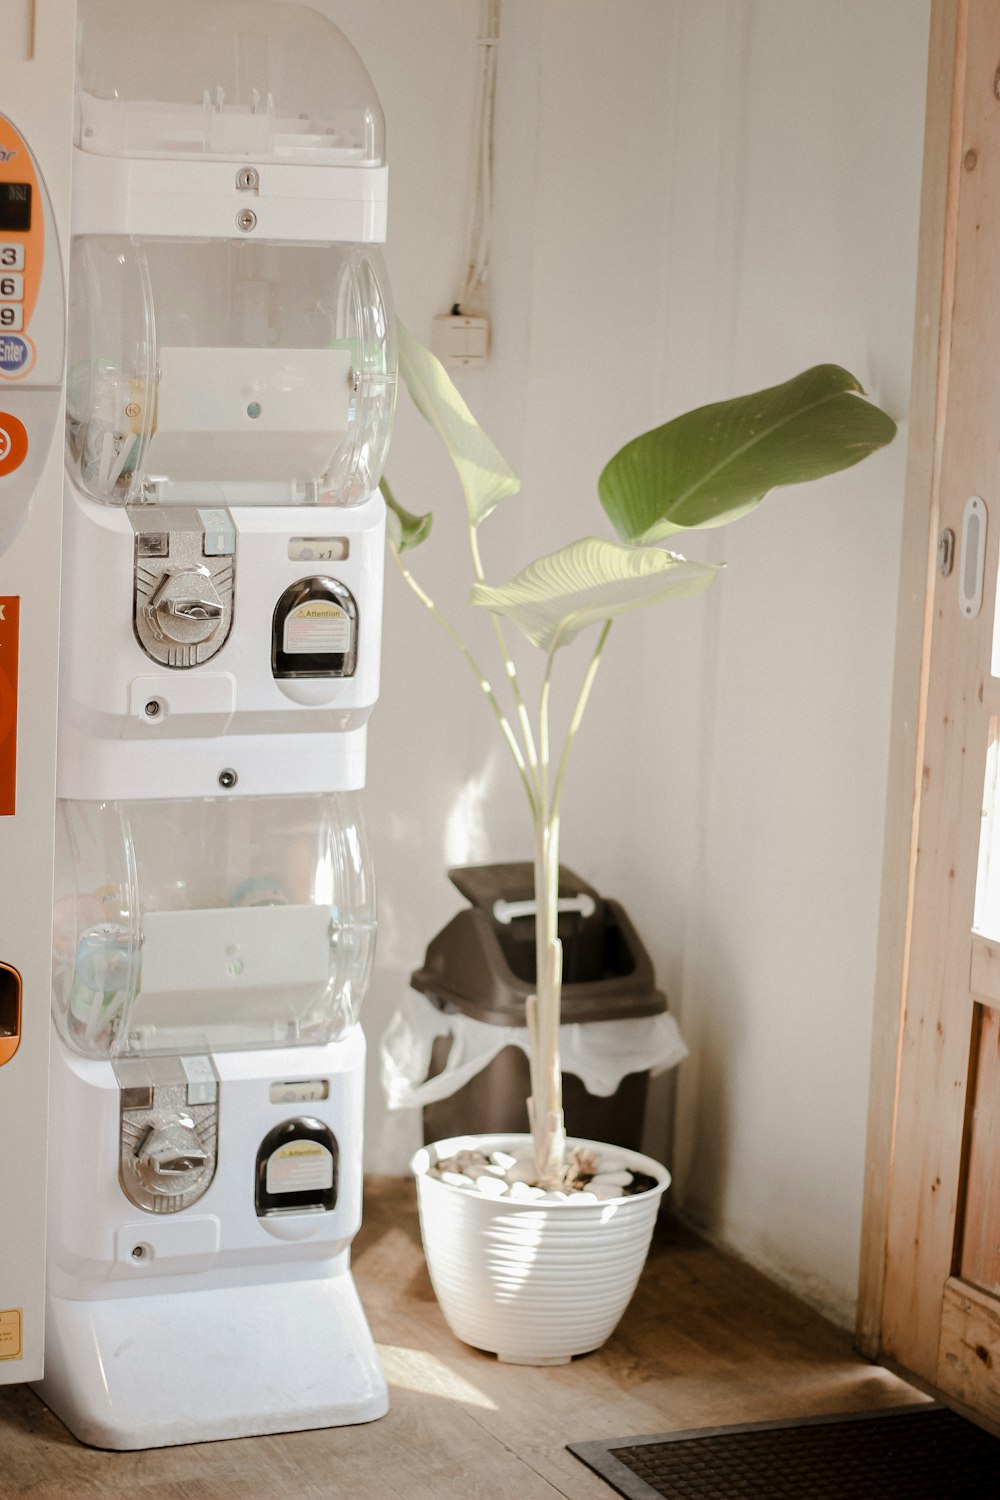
(300, 1166)
(317, 626)
(11, 1344)
(319, 610)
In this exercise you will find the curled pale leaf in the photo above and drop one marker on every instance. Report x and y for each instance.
(485, 474)
(404, 529)
(715, 463)
(554, 598)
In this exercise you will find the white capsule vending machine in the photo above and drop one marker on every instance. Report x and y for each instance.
(230, 387)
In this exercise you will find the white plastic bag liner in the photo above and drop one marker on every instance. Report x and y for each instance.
(600, 1053)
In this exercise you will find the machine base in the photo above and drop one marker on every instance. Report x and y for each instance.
(193, 1366)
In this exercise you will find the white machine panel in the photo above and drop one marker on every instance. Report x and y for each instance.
(36, 137)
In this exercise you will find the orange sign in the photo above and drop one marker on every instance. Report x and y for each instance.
(13, 443)
(11, 1333)
(10, 614)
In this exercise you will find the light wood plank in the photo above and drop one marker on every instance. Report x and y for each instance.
(984, 978)
(920, 528)
(937, 1016)
(706, 1341)
(970, 1348)
(980, 1236)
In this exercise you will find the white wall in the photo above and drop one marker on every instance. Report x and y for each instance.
(692, 200)
(778, 993)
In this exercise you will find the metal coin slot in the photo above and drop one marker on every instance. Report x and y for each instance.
(167, 1146)
(185, 608)
(170, 1151)
(184, 585)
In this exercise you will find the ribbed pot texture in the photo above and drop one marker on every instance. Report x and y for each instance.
(534, 1283)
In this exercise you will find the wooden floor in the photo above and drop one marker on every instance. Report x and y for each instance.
(706, 1341)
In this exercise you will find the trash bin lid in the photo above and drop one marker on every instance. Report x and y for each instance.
(485, 885)
(483, 961)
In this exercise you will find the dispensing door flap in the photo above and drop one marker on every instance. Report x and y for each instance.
(234, 949)
(239, 414)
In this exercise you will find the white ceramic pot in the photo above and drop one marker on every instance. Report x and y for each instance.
(534, 1283)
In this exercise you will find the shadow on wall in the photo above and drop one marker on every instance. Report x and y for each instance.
(705, 1115)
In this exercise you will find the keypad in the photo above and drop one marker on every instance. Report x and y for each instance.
(11, 286)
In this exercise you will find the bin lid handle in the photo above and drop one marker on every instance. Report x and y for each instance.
(505, 911)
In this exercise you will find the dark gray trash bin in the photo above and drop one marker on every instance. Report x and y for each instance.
(483, 964)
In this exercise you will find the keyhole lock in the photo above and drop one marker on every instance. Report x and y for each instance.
(946, 552)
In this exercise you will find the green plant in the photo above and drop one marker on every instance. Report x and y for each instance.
(705, 468)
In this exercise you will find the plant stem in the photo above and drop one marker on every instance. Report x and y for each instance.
(505, 726)
(578, 712)
(509, 664)
(545, 1006)
(545, 1106)
(545, 1109)
(544, 737)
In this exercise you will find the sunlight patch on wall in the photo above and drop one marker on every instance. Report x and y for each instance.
(465, 839)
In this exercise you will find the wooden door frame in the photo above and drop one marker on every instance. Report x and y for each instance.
(960, 123)
(935, 275)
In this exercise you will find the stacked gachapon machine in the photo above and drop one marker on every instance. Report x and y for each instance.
(230, 388)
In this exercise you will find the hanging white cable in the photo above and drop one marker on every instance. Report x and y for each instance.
(472, 297)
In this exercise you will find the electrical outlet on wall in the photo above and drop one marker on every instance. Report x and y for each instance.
(460, 340)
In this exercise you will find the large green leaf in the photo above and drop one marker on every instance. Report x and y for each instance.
(485, 474)
(554, 598)
(404, 529)
(715, 463)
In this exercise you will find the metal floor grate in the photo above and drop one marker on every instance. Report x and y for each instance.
(905, 1453)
